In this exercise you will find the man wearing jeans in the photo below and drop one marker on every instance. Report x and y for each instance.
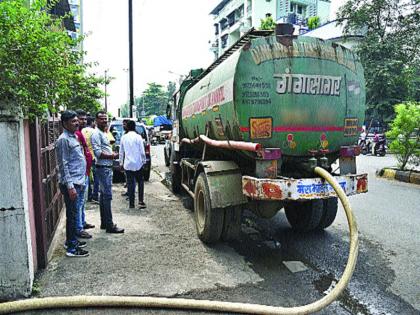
(132, 158)
(71, 177)
(81, 224)
(104, 161)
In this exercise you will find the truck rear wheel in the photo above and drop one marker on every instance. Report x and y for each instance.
(208, 220)
(232, 223)
(330, 207)
(304, 216)
(175, 172)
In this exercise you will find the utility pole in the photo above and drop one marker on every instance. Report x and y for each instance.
(106, 83)
(130, 51)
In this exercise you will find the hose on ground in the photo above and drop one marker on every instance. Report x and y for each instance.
(204, 305)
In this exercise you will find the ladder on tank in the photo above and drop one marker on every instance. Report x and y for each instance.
(251, 34)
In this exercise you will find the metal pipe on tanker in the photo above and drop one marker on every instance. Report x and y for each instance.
(232, 145)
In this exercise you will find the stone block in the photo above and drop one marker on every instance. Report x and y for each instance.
(402, 176)
(415, 178)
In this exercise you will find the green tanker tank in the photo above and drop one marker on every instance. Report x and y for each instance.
(269, 110)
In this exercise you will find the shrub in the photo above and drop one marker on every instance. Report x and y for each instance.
(405, 129)
(313, 22)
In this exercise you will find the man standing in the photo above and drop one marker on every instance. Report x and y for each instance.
(93, 187)
(71, 177)
(81, 224)
(132, 158)
(104, 161)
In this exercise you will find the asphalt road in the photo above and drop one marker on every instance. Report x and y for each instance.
(387, 277)
(160, 254)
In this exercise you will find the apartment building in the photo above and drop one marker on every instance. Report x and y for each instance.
(233, 18)
(76, 7)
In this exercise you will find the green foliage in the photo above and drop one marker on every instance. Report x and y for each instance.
(155, 99)
(170, 90)
(86, 93)
(313, 22)
(125, 110)
(39, 63)
(268, 23)
(405, 129)
(390, 52)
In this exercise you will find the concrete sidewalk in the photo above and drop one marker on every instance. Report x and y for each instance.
(158, 255)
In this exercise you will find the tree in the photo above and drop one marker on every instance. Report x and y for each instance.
(405, 129)
(154, 99)
(86, 93)
(124, 110)
(170, 90)
(390, 52)
(39, 63)
(268, 23)
(313, 22)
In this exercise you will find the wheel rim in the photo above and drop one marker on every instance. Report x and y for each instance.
(200, 208)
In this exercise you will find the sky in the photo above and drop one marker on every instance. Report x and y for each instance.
(169, 39)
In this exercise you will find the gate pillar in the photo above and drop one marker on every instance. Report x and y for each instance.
(16, 261)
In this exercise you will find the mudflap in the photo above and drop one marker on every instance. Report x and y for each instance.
(224, 179)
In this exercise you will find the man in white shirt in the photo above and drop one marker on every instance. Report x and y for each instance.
(132, 159)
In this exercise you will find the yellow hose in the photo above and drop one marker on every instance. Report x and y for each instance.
(204, 305)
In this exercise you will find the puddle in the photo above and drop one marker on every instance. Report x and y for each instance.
(325, 283)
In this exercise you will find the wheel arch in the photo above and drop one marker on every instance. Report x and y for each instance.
(224, 179)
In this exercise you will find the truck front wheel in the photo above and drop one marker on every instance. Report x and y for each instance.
(208, 220)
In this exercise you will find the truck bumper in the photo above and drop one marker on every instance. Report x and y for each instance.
(301, 189)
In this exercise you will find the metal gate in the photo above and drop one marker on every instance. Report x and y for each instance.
(48, 201)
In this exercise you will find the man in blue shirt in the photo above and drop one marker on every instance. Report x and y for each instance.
(104, 157)
(71, 176)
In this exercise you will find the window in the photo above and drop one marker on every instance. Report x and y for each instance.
(224, 40)
(240, 12)
(223, 24)
(216, 29)
(231, 18)
(298, 9)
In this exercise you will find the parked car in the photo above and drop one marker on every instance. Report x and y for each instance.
(117, 130)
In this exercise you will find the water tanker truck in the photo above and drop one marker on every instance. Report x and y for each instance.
(249, 131)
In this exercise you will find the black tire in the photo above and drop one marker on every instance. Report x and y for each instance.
(165, 154)
(304, 216)
(188, 202)
(176, 175)
(330, 207)
(232, 223)
(208, 220)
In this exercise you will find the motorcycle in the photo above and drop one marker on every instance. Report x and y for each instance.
(364, 144)
(379, 145)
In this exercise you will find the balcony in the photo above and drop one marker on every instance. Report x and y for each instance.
(297, 19)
